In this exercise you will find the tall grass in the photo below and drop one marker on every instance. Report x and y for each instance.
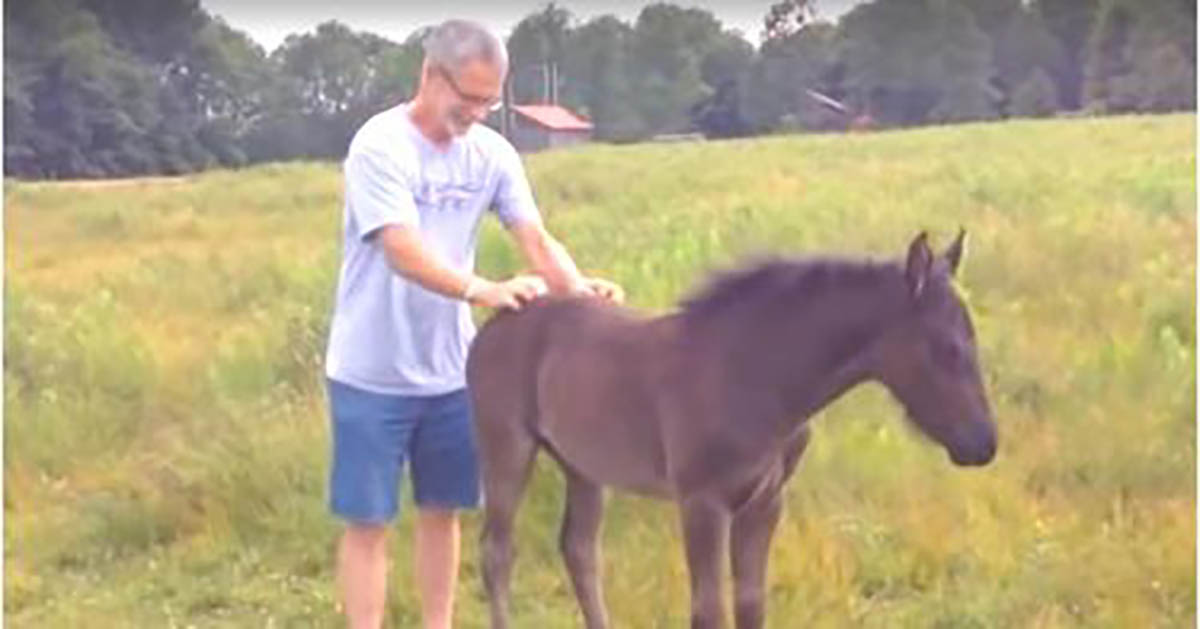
(166, 443)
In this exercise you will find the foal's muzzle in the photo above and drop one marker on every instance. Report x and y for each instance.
(975, 444)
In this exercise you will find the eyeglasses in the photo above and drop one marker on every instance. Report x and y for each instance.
(490, 103)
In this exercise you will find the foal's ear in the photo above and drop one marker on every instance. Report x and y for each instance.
(956, 250)
(919, 264)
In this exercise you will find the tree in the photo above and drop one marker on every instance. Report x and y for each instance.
(1021, 47)
(1070, 22)
(75, 104)
(399, 70)
(536, 51)
(119, 87)
(1137, 47)
(1020, 43)
(777, 84)
(1110, 59)
(597, 70)
(1169, 80)
(787, 17)
(992, 16)
(100, 88)
(334, 65)
(724, 70)
(668, 48)
(211, 76)
(330, 81)
(966, 65)
(909, 61)
(1036, 97)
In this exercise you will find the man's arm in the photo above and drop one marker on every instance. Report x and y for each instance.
(382, 208)
(549, 259)
(410, 258)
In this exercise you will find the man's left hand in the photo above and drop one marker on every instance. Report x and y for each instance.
(603, 289)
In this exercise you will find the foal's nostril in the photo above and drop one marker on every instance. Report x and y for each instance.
(976, 445)
(986, 453)
(985, 445)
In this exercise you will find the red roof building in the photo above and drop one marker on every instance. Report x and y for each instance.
(540, 126)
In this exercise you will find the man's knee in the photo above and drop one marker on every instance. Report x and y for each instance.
(437, 514)
(436, 517)
(366, 536)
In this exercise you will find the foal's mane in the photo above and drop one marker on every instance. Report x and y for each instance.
(776, 281)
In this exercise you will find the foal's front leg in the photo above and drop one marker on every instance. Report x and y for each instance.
(705, 530)
(750, 545)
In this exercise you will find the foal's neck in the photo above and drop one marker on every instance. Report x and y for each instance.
(821, 347)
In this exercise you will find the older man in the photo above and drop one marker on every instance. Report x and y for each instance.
(418, 179)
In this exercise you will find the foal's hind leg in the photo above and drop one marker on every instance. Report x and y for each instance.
(506, 458)
(579, 544)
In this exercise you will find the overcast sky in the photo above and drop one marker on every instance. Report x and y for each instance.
(270, 21)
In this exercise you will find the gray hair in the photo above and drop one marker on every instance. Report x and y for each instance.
(455, 43)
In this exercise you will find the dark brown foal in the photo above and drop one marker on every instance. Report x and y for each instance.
(708, 406)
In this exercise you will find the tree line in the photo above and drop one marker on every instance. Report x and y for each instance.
(96, 88)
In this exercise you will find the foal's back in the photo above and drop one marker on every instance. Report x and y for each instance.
(585, 378)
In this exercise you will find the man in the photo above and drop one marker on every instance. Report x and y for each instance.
(418, 179)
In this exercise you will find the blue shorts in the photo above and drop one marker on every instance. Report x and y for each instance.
(374, 435)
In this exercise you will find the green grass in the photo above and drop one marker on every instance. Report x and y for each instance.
(166, 442)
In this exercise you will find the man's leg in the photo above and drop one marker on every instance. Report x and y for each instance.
(370, 437)
(362, 574)
(436, 557)
(445, 477)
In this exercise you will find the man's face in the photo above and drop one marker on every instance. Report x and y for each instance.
(467, 97)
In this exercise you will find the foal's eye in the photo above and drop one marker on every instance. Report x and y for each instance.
(949, 354)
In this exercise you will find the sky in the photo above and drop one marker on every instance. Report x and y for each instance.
(269, 21)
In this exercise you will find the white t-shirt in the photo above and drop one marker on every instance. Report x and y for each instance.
(390, 335)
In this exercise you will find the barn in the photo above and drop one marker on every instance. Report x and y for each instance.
(540, 127)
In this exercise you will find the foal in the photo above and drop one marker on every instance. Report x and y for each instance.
(708, 406)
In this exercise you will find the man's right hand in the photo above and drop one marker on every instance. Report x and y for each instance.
(507, 295)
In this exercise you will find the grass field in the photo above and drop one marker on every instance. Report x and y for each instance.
(166, 441)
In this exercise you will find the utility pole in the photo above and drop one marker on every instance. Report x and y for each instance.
(506, 108)
(554, 84)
